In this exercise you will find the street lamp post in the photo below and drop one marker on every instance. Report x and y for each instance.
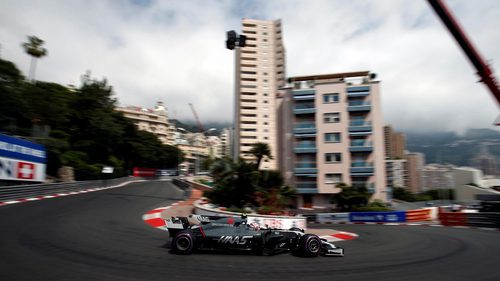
(232, 43)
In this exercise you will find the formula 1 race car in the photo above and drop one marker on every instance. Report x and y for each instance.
(229, 233)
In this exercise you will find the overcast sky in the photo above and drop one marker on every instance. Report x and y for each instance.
(174, 51)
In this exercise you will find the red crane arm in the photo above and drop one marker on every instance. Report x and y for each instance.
(483, 70)
(200, 126)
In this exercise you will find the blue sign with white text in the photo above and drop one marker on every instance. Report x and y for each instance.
(20, 149)
(377, 217)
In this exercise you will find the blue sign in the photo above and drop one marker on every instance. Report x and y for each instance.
(20, 149)
(377, 217)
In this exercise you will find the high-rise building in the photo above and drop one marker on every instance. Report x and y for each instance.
(260, 72)
(485, 161)
(396, 173)
(151, 120)
(332, 132)
(395, 143)
(437, 176)
(225, 137)
(414, 166)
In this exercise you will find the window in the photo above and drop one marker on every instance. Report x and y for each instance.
(332, 137)
(333, 117)
(331, 98)
(248, 86)
(333, 178)
(333, 158)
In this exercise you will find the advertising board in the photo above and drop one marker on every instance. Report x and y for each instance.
(377, 217)
(332, 217)
(21, 160)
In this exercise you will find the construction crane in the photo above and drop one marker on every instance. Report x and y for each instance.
(198, 122)
(483, 70)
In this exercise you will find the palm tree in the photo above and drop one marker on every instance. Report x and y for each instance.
(34, 48)
(260, 150)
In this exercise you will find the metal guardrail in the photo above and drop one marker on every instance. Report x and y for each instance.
(181, 183)
(14, 192)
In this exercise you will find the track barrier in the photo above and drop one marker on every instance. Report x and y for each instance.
(481, 220)
(418, 215)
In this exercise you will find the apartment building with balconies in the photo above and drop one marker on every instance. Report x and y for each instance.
(332, 132)
(151, 120)
(260, 72)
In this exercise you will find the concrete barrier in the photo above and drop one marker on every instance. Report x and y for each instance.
(418, 215)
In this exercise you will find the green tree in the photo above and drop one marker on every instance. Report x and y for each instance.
(34, 48)
(240, 184)
(259, 151)
(48, 104)
(12, 105)
(351, 197)
(403, 194)
(235, 183)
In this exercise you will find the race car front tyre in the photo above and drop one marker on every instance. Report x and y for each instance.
(309, 245)
(183, 243)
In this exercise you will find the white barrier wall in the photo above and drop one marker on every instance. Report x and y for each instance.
(281, 222)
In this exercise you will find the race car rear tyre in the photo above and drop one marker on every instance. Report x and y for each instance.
(309, 245)
(183, 243)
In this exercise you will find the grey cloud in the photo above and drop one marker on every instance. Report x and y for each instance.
(174, 51)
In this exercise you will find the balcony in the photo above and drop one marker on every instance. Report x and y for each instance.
(359, 105)
(304, 94)
(305, 169)
(360, 128)
(306, 187)
(358, 91)
(308, 108)
(305, 147)
(361, 146)
(305, 128)
(362, 168)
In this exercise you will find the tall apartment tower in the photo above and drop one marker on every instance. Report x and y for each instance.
(415, 166)
(260, 72)
(395, 143)
(331, 132)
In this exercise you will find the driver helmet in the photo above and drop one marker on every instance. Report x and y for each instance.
(254, 226)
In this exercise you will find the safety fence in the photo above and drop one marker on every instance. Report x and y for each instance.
(483, 220)
(15, 192)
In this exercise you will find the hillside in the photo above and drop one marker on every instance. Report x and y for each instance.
(449, 147)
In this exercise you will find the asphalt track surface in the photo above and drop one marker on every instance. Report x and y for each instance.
(101, 236)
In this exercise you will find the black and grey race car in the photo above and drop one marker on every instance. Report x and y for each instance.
(234, 234)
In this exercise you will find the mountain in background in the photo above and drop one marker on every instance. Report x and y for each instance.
(452, 148)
